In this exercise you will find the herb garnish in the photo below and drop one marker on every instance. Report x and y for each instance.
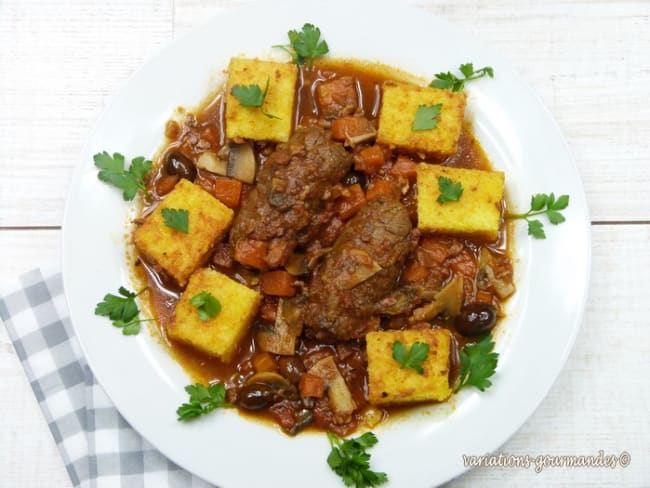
(451, 82)
(122, 310)
(176, 218)
(477, 364)
(415, 357)
(426, 117)
(112, 171)
(349, 459)
(206, 304)
(305, 46)
(449, 191)
(543, 204)
(202, 400)
(252, 96)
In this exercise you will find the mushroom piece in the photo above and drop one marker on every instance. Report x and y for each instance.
(209, 161)
(281, 339)
(338, 392)
(449, 299)
(241, 162)
(488, 279)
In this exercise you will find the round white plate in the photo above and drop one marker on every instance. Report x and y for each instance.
(423, 448)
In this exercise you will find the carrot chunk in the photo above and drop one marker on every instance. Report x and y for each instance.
(264, 362)
(404, 167)
(311, 386)
(380, 188)
(347, 127)
(251, 253)
(369, 160)
(278, 283)
(348, 205)
(228, 191)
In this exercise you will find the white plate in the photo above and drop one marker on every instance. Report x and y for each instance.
(418, 450)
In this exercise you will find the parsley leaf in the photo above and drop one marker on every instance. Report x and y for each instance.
(449, 191)
(111, 170)
(207, 305)
(543, 204)
(252, 96)
(449, 81)
(306, 45)
(415, 357)
(176, 218)
(477, 363)
(122, 310)
(202, 400)
(426, 117)
(348, 459)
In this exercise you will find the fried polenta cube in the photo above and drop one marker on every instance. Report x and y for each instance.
(220, 335)
(176, 252)
(400, 103)
(250, 122)
(390, 384)
(477, 213)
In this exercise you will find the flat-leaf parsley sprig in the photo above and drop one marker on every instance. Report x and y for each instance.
(452, 82)
(111, 170)
(122, 310)
(252, 96)
(478, 362)
(543, 204)
(349, 459)
(203, 400)
(305, 45)
(415, 357)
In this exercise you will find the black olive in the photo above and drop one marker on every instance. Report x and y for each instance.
(255, 396)
(291, 368)
(476, 319)
(354, 177)
(181, 165)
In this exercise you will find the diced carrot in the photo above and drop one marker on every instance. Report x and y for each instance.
(278, 283)
(349, 204)
(380, 188)
(166, 184)
(311, 386)
(404, 167)
(369, 160)
(264, 362)
(414, 272)
(269, 309)
(347, 127)
(483, 296)
(228, 191)
(251, 253)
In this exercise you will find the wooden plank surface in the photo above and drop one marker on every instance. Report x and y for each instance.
(588, 61)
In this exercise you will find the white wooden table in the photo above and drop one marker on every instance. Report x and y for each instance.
(589, 62)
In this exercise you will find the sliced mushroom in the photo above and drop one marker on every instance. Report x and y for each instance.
(241, 162)
(281, 339)
(297, 265)
(487, 278)
(264, 389)
(449, 299)
(209, 161)
(275, 381)
(338, 392)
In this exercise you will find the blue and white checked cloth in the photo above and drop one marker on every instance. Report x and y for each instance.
(98, 447)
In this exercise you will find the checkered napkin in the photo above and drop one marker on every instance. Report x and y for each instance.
(98, 447)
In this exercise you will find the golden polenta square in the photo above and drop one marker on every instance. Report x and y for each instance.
(250, 122)
(478, 211)
(220, 335)
(389, 383)
(176, 252)
(399, 105)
